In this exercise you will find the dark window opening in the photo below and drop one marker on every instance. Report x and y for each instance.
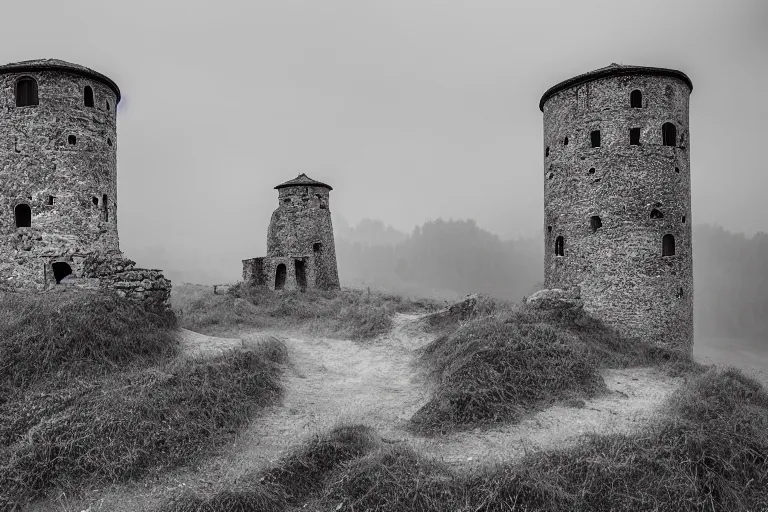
(549, 229)
(656, 214)
(107, 103)
(72, 139)
(594, 137)
(109, 141)
(301, 274)
(287, 200)
(636, 99)
(316, 248)
(88, 96)
(51, 200)
(592, 170)
(550, 175)
(61, 270)
(559, 246)
(634, 136)
(677, 169)
(595, 223)
(546, 152)
(23, 214)
(105, 206)
(95, 201)
(668, 245)
(597, 180)
(680, 293)
(26, 92)
(565, 141)
(683, 219)
(280, 277)
(669, 134)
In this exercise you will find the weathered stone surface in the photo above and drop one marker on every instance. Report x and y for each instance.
(617, 259)
(556, 299)
(59, 159)
(300, 236)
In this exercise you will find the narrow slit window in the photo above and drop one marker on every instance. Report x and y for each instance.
(109, 141)
(683, 219)
(51, 200)
(26, 92)
(549, 229)
(669, 134)
(23, 214)
(565, 141)
(668, 245)
(107, 104)
(636, 99)
(105, 207)
(634, 136)
(546, 152)
(559, 246)
(594, 138)
(88, 96)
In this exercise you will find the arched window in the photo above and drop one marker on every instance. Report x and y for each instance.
(23, 214)
(61, 270)
(26, 92)
(105, 206)
(280, 277)
(301, 274)
(668, 245)
(669, 134)
(634, 136)
(656, 214)
(594, 137)
(595, 223)
(88, 96)
(636, 99)
(559, 246)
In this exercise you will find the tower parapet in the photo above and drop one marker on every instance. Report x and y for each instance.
(617, 199)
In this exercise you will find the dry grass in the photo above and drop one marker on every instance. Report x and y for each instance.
(508, 361)
(708, 452)
(347, 313)
(96, 394)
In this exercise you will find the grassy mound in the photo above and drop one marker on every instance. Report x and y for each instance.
(291, 482)
(499, 366)
(348, 313)
(78, 333)
(94, 392)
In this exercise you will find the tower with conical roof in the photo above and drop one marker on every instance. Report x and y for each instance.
(300, 249)
(617, 198)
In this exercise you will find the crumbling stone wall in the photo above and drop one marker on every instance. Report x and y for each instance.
(601, 201)
(147, 287)
(300, 233)
(59, 157)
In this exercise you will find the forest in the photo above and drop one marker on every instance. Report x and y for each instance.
(448, 259)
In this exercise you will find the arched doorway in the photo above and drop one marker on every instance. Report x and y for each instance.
(280, 273)
(301, 274)
(61, 270)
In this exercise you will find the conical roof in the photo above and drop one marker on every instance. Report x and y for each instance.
(59, 65)
(613, 70)
(302, 180)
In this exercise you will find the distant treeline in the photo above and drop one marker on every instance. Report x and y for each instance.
(447, 259)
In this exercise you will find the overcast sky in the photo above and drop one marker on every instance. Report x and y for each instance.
(411, 109)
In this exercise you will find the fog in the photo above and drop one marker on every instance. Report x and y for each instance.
(412, 110)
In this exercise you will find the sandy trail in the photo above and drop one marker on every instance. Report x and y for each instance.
(377, 383)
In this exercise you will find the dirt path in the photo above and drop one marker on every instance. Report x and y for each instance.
(376, 383)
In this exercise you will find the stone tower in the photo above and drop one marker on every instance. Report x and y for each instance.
(300, 249)
(58, 181)
(617, 199)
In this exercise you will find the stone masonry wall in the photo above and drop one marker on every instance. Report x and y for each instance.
(39, 166)
(619, 266)
(146, 287)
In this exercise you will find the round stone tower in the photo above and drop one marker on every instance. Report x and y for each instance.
(58, 180)
(301, 252)
(617, 199)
